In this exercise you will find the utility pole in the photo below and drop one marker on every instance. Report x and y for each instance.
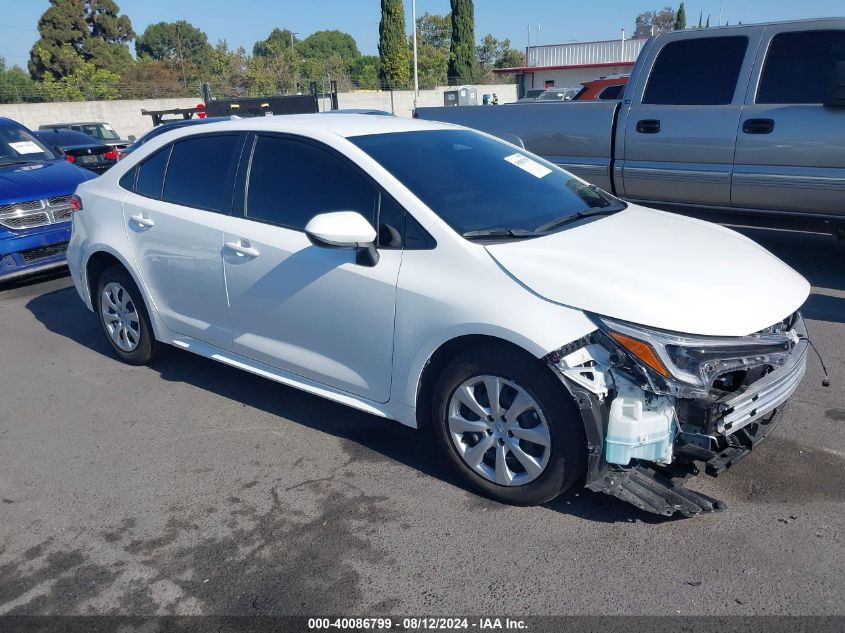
(720, 12)
(622, 48)
(416, 68)
(528, 49)
(291, 38)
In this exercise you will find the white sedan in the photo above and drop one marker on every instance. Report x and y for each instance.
(546, 331)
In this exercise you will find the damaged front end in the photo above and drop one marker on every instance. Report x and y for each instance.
(657, 404)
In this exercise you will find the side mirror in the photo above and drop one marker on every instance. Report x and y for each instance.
(345, 229)
(131, 138)
(835, 97)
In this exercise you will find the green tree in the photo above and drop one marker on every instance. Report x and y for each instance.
(493, 53)
(361, 72)
(392, 46)
(182, 47)
(681, 18)
(85, 83)
(227, 71)
(368, 78)
(663, 20)
(272, 75)
(700, 18)
(432, 65)
(435, 30)
(323, 44)
(278, 41)
(72, 31)
(462, 54)
(148, 79)
(16, 86)
(707, 26)
(510, 57)
(488, 51)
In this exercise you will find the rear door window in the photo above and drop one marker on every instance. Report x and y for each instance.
(200, 172)
(798, 66)
(701, 71)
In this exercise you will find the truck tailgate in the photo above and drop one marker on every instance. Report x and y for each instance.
(578, 136)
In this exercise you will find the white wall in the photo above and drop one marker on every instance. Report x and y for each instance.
(126, 117)
(402, 103)
(123, 116)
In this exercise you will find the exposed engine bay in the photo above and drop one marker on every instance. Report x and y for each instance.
(656, 405)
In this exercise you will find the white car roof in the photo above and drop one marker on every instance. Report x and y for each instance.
(344, 126)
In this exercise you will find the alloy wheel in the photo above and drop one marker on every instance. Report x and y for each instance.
(120, 317)
(499, 430)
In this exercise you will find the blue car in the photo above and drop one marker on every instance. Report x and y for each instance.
(35, 189)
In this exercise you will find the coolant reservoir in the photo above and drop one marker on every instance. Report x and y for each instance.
(638, 429)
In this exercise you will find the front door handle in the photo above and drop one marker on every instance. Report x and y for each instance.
(758, 126)
(648, 126)
(142, 220)
(243, 248)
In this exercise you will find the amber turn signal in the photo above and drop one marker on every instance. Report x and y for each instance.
(643, 351)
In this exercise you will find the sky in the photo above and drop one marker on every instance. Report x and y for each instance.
(242, 22)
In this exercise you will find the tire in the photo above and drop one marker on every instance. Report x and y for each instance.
(552, 417)
(125, 310)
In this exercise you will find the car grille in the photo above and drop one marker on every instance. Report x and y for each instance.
(43, 252)
(33, 213)
(768, 393)
(58, 201)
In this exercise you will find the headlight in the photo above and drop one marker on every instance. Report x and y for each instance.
(688, 366)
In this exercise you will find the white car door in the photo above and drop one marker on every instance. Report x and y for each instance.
(305, 309)
(175, 218)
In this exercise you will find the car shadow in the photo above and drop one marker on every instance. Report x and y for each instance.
(33, 280)
(365, 436)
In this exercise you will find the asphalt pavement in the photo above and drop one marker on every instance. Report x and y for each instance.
(190, 487)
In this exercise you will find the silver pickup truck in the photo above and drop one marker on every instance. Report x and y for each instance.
(742, 119)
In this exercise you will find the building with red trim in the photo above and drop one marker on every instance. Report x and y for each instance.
(569, 65)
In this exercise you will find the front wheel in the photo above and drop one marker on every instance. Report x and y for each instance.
(509, 426)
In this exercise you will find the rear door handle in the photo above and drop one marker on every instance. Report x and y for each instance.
(243, 248)
(648, 126)
(142, 220)
(758, 126)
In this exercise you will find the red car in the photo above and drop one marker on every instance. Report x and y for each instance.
(604, 89)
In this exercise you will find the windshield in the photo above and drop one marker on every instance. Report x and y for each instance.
(101, 131)
(476, 183)
(18, 146)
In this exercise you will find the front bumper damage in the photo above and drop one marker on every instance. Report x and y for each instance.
(712, 434)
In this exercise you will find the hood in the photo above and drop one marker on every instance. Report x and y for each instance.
(660, 270)
(40, 180)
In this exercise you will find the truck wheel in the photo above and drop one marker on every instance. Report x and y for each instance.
(508, 426)
(124, 318)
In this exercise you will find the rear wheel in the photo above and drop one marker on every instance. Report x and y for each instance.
(124, 318)
(509, 426)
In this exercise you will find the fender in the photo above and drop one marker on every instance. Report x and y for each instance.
(160, 331)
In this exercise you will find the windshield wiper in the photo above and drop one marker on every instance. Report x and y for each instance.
(499, 234)
(579, 215)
